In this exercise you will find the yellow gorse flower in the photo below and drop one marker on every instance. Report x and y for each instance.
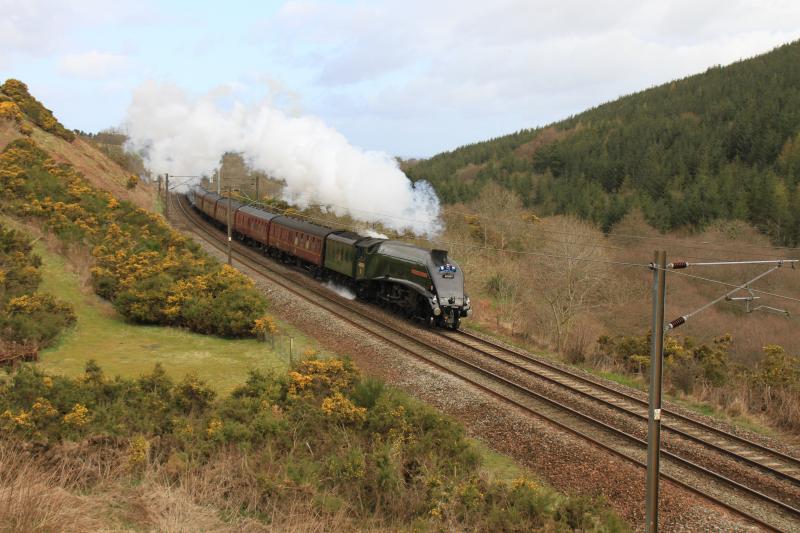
(342, 409)
(78, 416)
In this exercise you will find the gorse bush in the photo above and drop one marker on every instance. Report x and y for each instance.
(705, 371)
(150, 273)
(33, 109)
(320, 438)
(19, 266)
(27, 318)
(686, 362)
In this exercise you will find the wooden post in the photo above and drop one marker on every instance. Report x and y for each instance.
(166, 196)
(230, 193)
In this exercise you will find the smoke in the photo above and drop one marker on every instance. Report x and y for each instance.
(187, 136)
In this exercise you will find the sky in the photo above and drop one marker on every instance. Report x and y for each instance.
(409, 78)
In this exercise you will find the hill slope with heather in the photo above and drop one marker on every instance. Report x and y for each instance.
(724, 144)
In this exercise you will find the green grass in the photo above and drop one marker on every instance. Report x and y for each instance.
(158, 205)
(500, 467)
(125, 349)
(709, 410)
(623, 379)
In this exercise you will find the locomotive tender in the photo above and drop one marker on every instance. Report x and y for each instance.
(410, 280)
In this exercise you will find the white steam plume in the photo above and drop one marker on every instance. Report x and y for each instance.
(183, 136)
(341, 290)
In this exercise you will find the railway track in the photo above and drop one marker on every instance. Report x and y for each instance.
(766, 511)
(772, 462)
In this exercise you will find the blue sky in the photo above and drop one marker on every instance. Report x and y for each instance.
(410, 78)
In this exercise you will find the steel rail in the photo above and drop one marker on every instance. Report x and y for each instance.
(791, 462)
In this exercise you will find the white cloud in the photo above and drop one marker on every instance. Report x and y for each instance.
(31, 26)
(39, 28)
(489, 58)
(92, 65)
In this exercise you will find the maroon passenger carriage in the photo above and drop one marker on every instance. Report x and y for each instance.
(286, 238)
(299, 240)
(252, 224)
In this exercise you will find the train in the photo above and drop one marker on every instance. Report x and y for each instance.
(412, 281)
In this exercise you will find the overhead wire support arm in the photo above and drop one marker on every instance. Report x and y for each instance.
(677, 265)
(727, 296)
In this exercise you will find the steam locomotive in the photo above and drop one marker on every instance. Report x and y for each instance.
(409, 280)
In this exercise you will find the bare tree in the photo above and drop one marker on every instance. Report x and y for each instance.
(505, 287)
(500, 214)
(573, 280)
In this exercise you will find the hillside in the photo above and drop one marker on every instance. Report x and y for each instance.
(22, 115)
(721, 144)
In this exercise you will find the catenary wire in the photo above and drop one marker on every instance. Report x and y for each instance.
(490, 248)
(529, 253)
(726, 284)
(518, 223)
(547, 230)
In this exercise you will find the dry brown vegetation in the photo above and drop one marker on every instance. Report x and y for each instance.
(319, 449)
(97, 168)
(8, 132)
(89, 487)
(494, 238)
(557, 283)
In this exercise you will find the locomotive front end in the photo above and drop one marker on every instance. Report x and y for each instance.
(449, 303)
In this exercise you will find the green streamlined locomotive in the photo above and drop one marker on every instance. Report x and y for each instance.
(407, 279)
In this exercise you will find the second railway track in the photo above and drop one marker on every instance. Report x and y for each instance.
(780, 465)
(770, 511)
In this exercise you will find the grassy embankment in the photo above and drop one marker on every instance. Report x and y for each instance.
(130, 350)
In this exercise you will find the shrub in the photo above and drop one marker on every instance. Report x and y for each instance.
(27, 318)
(686, 363)
(132, 182)
(265, 449)
(34, 110)
(36, 319)
(150, 273)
